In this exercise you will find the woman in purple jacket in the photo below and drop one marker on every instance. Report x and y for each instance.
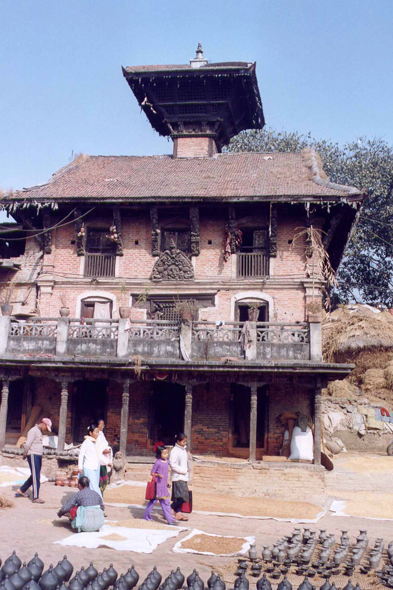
(160, 470)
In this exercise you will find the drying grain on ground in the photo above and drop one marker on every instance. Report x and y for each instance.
(217, 545)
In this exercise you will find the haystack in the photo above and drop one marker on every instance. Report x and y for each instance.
(5, 502)
(354, 328)
(388, 374)
(341, 389)
(373, 380)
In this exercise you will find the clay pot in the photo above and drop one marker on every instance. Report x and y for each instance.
(211, 580)
(73, 483)
(67, 567)
(64, 312)
(32, 585)
(75, 584)
(6, 309)
(17, 581)
(83, 577)
(219, 584)
(49, 579)
(9, 568)
(124, 312)
(7, 585)
(25, 573)
(112, 574)
(192, 577)
(158, 577)
(60, 572)
(252, 552)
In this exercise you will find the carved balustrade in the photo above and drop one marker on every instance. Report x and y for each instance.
(217, 331)
(283, 333)
(36, 328)
(93, 328)
(153, 330)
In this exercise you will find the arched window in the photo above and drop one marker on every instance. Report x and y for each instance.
(97, 308)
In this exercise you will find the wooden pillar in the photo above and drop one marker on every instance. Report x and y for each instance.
(4, 411)
(125, 400)
(317, 421)
(188, 414)
(63, 417)
(253, 422)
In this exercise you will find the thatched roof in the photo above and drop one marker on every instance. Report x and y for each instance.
(355, 328)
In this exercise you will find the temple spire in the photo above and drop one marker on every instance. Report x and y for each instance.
(198, 60)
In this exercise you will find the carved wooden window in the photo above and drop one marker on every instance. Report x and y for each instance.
(181, 238)
(100, 257)
(98, 242)
(253, 255)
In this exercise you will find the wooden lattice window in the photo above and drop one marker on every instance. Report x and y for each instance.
(181, 238)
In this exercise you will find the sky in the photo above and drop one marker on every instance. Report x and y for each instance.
(323, 67)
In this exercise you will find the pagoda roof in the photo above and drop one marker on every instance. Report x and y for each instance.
(285, 177)
(227, 65)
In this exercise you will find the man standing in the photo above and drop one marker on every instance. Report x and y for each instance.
(33, 452)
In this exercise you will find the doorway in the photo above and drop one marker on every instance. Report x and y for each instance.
(242, 312)
(15, 406)
(166, 416)
(241, 408)
(89, 404)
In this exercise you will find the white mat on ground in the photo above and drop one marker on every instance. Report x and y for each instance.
(21, 474)
(121, 483)
(233, 514)
(337, 507)
(138, 540)
(245, 547)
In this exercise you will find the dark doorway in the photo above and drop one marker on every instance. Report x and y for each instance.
(15, 406)
(89, 404)
(241, 416)
(242, 312)
(166, 412)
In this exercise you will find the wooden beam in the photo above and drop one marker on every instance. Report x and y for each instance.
(125, 400)
(317, 421)
(63, 417)
(188, 414)
(253, 421)
(4, 411)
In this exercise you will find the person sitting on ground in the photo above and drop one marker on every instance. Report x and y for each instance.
(85, 509)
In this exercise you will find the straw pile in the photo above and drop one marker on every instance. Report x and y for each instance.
(5, 502)
(218, 545)
(357, 335)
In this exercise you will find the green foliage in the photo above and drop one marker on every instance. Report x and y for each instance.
(366, 271)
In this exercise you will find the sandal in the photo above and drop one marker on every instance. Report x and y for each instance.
(20, 494)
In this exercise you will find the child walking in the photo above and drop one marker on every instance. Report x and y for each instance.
(160, 469)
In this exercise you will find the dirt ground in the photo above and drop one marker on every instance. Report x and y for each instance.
(29, 528)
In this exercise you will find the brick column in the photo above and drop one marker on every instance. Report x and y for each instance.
(253, 421)
(4, 411)
(317, 421)
(125, 400)
(188, 414)
(63, 417)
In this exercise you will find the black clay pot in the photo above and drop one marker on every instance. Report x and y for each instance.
(83, 577)
(305, 585)
(67, 567)
(15, 559)
(100, 581)
(219, 584)
(62, 586)
(349, 586)
(60, 572)
(17, 580)
(75, 584)
(121, 585)
(32, 585)
(8, 585)
(192, 577)
(284, 585)
(95, 585)
(92, 572)
(112, 573)
(89, 586)
(106, 578)
(25, 573)
(49, 579)
(211, 580)
(179, 577)
(9, 568)
(264, 583)
(38, 562)
(198, 583)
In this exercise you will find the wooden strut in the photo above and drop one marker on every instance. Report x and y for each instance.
(125, 400)
(188, 414)
(253, 421)
(4, 411)
(317, 421)
(63, 417)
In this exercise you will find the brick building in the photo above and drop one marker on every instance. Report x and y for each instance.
(188, 279)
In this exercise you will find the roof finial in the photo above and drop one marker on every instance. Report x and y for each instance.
(199, 51)
(198, 60)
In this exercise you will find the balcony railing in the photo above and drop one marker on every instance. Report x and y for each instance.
(100, 265)
(100, 338)
(252, 264)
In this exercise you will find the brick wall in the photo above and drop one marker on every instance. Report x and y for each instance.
(211, 419)
(194, 147)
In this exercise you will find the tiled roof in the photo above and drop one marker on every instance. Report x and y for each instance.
(174, 67)
(277, 176)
